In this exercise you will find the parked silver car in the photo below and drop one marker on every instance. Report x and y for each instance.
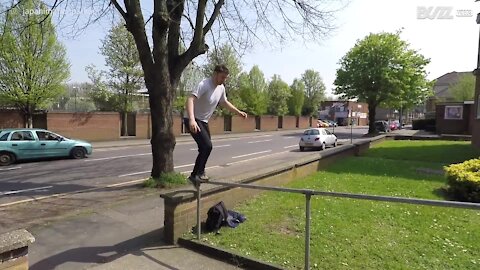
(317, 138)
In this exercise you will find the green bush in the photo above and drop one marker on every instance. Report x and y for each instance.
(464, 180)
(166, 180)
(424, 124)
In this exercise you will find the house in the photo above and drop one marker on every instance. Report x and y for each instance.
(441, 89)
(344, 112)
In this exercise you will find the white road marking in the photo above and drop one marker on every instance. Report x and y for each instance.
(107, 158)
(207, 168)
(218, 146)
(136, 173)
(289, 137)
(23, 190)
(11, 169)
(295, 145)
(260, 141)
(246, 160)
(251, 154)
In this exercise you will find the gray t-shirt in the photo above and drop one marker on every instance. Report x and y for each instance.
(208, 96)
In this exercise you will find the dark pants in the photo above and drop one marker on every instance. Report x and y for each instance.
(204, 144)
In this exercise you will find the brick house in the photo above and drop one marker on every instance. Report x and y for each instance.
(343, 112)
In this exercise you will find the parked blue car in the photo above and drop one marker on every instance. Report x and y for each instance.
(21, 144)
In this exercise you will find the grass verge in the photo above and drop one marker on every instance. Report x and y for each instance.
(166, 180)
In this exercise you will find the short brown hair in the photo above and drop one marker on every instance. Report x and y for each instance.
(221, 69)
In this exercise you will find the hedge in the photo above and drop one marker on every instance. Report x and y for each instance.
(464, 180)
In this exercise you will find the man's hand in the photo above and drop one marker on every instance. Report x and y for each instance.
(194, 128)
(242, 113)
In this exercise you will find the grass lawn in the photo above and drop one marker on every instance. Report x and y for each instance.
(356, 234)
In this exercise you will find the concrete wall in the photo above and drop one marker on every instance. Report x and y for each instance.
(88, 126)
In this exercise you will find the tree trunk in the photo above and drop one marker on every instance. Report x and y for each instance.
(372, 108)
(125, 124)
(163, 140)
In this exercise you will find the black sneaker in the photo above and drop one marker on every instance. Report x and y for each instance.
(204, 177)
(194, 179)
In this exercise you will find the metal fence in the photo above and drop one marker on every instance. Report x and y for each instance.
(308, 193)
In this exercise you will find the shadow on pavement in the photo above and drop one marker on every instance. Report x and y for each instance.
(105, 254)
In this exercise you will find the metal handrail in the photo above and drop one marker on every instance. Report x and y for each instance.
(309, 193)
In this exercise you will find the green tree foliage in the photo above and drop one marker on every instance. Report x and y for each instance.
(253, 91)
(296, 100)
(33, 65)
(464, 88)
(278, 94)
(382, 69)
(314, 92)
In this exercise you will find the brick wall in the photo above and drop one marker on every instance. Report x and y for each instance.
(87, 126)
(11, 119)
(216, 124)
(452, 126)
(242, 125)
(304, 122)
(289, 122)
(268, 123)
(143, 126)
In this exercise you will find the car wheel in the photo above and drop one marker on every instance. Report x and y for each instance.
(6, 158)
(323, 146)
(78, 153)
(302, 148)
(335, 143)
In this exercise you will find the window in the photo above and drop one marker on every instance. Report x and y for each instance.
(46, 136)
(4, 136)
(454, 112)
(311, 132)
(328, 132)
(22, 136)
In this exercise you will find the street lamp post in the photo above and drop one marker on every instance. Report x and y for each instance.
(75, 98)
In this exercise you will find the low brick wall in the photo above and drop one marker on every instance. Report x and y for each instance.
(304, 122)
(11, 119)
(180, 206)
(216, 124)
(289, 122)
(242, 125)
(268, 123)
(87, 126)
(14, 250)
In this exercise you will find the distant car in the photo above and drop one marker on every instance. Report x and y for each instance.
(322, 123)
(317, 138)
(331, 123)
(382, 126)
(23, 144)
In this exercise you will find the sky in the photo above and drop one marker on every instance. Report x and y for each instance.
(451, 42)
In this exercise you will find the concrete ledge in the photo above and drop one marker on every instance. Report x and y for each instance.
(14, 249)
(227, 256)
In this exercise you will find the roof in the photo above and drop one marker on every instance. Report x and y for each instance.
(443, 83)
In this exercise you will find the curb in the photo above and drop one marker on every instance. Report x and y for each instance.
(226, 256)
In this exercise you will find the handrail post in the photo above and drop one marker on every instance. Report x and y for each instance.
(199, 194)
(308, 196)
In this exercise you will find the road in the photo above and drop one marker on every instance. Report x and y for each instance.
(117, 166)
